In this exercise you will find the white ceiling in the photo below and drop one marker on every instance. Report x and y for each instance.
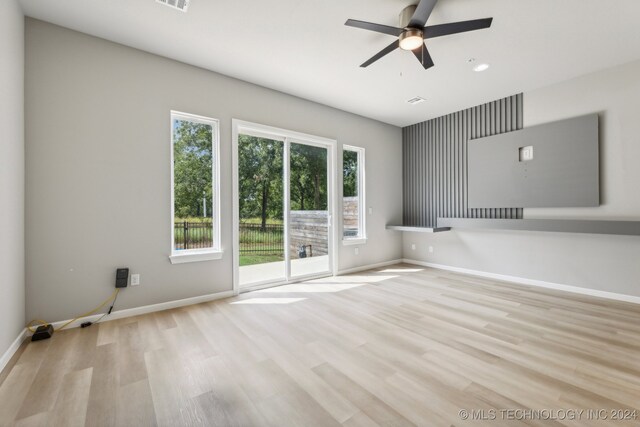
(302, 47)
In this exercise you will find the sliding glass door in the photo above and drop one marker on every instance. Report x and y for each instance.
(284, 187)
(309, 217)
(261, 209)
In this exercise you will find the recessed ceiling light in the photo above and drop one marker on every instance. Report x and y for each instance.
(416, 100)
(180, 5)
(481, 67)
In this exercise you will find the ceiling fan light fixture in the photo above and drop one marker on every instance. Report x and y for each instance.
(411, 39)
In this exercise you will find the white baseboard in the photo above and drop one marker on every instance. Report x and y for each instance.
(15, 345)
(530, 282)
(129, 312)
(369, 267)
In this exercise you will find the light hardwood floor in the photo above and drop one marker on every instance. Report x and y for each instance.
(397, 346)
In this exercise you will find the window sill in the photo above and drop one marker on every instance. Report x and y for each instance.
(195, 256)
(354, 241)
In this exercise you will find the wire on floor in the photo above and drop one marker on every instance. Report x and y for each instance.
(38, 322)
(108, 312)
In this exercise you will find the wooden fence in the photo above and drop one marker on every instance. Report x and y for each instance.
(309, 228)
(350, 214)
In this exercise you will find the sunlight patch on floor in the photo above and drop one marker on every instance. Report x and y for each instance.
(268, 301)
(311, 288)
(402, 270)
(363, 279)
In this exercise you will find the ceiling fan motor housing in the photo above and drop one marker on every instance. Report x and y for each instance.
(406, 14)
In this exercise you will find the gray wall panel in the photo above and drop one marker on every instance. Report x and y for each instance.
(435, 160)
(563, 172)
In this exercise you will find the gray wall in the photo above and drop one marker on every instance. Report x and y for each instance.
(98, 169)
(12, 303)
(435, 157)
(608, 263)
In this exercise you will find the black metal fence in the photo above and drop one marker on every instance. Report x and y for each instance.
(193, 235)
(254, 239)
(258, 240)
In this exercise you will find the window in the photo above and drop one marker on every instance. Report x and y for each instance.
(195, 187)
(353, 203)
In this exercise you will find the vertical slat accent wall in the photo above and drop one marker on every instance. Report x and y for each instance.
(435, 162)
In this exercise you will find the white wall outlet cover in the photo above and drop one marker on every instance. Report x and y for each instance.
(370, 211)
(356, 251)
(135, 279)
(413, 246)
(526, 153)
(431, 249)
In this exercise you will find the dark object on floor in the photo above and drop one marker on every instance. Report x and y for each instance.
(42, 333)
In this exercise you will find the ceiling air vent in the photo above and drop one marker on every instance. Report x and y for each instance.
(416, 100)
(181, 5)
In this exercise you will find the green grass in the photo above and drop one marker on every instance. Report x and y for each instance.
(259, 221)
(192, 219)
(257, 237)
(259, 259)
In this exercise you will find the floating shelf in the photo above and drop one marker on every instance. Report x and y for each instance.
(626, 228)
(418, 229)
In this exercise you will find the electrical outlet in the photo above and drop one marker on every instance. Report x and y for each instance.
(135, 279)
(413, 246)
(430, 249)
(370, 211)
(526, 153)
(356, 251)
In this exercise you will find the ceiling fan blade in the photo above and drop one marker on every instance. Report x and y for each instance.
(424, 57)
(378, 28)
(422, 13)
(393, 46)
(456, 27)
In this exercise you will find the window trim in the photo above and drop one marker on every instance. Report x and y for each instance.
(361, 237)
(199, 254)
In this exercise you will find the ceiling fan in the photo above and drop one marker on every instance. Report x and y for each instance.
(412, 33)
